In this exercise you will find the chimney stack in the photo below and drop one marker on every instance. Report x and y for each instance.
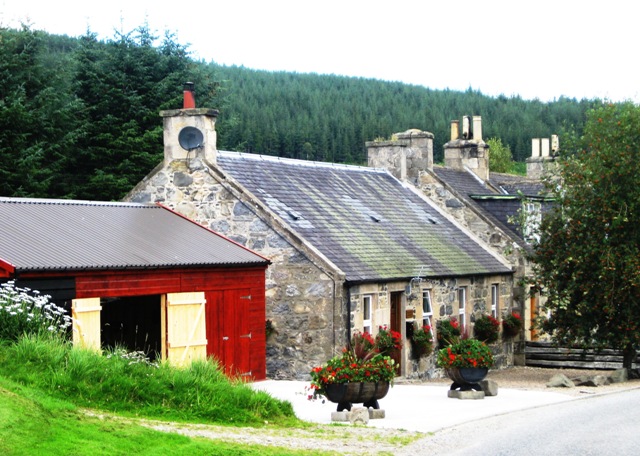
(468, 151)
(189, 96)
(543, 153)
(477, 128)
(455, 130)
(176, 120)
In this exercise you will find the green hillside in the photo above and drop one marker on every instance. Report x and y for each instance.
(79, 116)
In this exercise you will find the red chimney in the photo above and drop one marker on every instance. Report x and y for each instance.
(189, 96)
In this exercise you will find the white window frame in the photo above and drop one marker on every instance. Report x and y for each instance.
(462, 306)
(367, 310)
(495, 298)
(427, 314)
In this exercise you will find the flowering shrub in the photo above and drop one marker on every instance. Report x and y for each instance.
(387, 340)
(25, 311)
(447, 331)
(465, 353)
(512, 324)
(422, 342)
(486, 328)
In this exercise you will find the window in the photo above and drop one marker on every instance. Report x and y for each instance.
(494, 300)
(366, 314)
(462, 305)
(427, 309)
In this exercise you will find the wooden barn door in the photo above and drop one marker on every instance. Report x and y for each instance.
(184, 327)
(228, 330)
(86, 322)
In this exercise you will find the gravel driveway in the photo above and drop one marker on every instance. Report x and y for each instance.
(362, 440)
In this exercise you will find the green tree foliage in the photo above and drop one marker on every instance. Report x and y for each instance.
(37, 113)
(500, 158)
(79, 116)
(290, 114)
(588, 257)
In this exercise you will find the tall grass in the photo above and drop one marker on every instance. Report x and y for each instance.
(118, 383)
(35, 352)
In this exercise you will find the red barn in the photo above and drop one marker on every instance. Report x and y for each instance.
(141, 277)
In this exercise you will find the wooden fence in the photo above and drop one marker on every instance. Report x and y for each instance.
(545, 354)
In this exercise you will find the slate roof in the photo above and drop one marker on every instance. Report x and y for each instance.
(365, 221)
(41, 234)
(499, 201)
(514, 185)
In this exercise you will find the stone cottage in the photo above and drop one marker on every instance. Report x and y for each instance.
(498, 208)
(352, 248)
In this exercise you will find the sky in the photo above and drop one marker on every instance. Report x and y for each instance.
(544, 50)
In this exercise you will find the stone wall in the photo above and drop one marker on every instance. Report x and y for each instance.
(305, 301)
(444, 299)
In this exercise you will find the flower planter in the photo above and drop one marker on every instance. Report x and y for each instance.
(510, 331)
(345, 394)
(466, 378)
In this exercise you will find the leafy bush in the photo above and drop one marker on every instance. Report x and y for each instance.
(486, 328)
(25, 311)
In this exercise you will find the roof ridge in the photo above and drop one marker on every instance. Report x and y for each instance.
(71, 202)
(299, 162)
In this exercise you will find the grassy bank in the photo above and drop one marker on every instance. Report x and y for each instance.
(128, 385)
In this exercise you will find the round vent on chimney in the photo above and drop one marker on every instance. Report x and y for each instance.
(190, 138)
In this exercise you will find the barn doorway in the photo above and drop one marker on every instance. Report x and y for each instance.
(132, 323)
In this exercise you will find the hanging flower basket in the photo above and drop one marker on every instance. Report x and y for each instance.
(512, 324)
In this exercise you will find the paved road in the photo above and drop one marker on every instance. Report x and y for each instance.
(599, 425)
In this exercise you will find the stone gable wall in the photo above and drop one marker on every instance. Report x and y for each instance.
(304, 302)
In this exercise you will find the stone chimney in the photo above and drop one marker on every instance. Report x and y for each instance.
(469, 152)
(543, 153)
(202, 120)
(405, 155)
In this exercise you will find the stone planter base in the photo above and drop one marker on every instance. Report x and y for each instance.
(356, 415)
(471, 394)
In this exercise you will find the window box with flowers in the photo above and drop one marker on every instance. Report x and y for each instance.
(362, 373)
(512, 324)
(466, 362)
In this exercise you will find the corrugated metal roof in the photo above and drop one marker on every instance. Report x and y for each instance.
(41, 234)
(364, 220)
